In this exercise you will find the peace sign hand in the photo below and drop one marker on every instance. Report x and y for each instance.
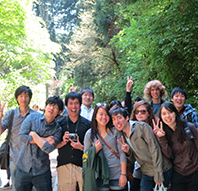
(158, 131)
(125, 147)
(73, 89)
(1, 109)
(129, 84)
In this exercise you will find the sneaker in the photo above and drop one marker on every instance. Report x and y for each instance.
(7, 185)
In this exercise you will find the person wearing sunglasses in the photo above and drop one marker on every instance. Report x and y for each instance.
(103, 138)
(142, 111)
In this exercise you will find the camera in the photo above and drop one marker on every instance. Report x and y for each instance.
(73, 136)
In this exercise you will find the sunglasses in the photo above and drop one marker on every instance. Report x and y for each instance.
(101, 104)
(143, 112)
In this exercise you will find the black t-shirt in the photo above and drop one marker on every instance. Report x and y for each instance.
(67, 154)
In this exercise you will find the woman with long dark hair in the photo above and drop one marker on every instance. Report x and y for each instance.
(142, 111)
(181, 145)
(101, 134)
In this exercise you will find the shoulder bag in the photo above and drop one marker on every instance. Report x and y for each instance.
(4, 149)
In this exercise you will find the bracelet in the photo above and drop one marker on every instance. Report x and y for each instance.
(123, 174)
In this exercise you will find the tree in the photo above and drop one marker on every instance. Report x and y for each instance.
(25, 48)
(161, 43)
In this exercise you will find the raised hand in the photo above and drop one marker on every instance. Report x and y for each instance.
(125, 147)
(129, 84)
(73, 89)
(158, 131)
(1, 109)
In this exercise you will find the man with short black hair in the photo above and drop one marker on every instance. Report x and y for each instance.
(143, 147)
(70, 150)
(186, 111)
(39, 135)
(23, 95)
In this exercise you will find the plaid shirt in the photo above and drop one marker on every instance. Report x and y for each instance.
(190, 115)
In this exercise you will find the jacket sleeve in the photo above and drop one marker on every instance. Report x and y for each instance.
(25, 129)
(128, 103)
(195, 134)
(167, 151)
(154, 152)
(47, 148)
(195, 119)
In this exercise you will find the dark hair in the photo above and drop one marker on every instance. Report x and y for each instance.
(115, 102)
(94, 123)
(180, 124)
(137, 99)
(22, 89)
(55, 100)
(119, 110)
(179, 90)
(73, 95)
(87, 89)
(149, 110)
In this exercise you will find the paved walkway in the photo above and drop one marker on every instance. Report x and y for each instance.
(53, 156)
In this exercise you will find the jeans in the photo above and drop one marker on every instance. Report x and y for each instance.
(113, 185)
(26, 181)
(167, 177)
(147, 182)
(12, 167)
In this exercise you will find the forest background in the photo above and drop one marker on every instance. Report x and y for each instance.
(51, 44)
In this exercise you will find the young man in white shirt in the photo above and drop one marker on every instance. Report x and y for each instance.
(87, 94)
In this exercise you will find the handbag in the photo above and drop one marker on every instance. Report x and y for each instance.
(160, 187)
(128, 170)
(4, 149)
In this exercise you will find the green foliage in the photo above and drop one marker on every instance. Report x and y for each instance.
(115, 39)
(160, 43)
(25, 49)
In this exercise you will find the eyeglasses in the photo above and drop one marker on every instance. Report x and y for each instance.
(101, 104)
(143, 112)
(53, 106)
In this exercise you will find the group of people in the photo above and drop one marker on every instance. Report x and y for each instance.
(158, 138)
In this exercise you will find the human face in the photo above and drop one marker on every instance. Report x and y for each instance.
(35, 107)
(73, 107)
(141, 113)
(102, 117)
(155, 93)
(119, 121)
(87, 99)
(23, 99)
(168, 118)
(179, 100)
(51, 111)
